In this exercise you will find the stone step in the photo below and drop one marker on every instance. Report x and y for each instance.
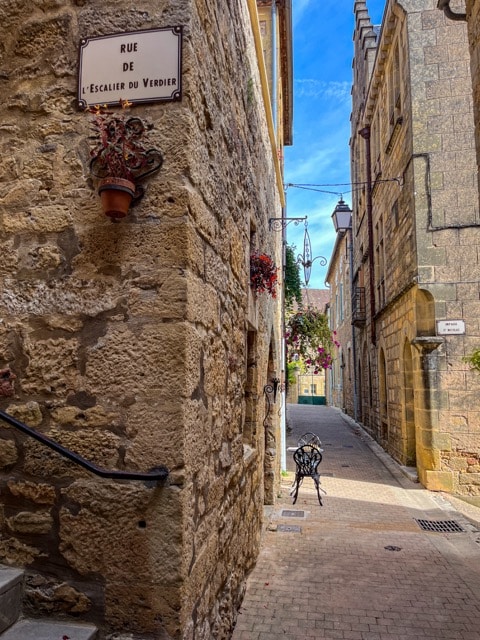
(11, 594)
(33, 629)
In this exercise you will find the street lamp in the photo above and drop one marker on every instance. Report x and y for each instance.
(342, 217)
(342, 221)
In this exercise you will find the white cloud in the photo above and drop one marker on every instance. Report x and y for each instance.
(314, 164)
(310, 88)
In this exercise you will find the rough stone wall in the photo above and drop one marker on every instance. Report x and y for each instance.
(473, 20)
(446, 204)
(128, 341)
(339, 380)
(428, 211)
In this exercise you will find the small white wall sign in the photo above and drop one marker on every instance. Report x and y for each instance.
(138, 66)
(450, 327)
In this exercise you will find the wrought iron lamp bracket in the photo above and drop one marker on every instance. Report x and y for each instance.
(277, 224)
(272, 388)
(305, 259)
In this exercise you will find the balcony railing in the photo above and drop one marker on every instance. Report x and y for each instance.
(359, 314)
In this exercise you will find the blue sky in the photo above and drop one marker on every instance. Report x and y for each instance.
(322, 78)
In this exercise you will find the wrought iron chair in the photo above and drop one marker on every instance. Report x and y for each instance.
(311, 439)
(307, 458)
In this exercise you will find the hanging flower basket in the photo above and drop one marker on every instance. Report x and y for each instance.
(263, 274)
(116, 195)
(309, 337)
(120, 157)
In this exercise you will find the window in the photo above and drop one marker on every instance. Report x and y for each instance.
(310, 390)
(395, 214)
(375, 135)
(394, 93)
(250, 424)
(380, 264)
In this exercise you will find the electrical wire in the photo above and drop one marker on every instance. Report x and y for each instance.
(359, 185)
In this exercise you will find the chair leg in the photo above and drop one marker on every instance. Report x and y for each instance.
(317, 486)
(296, 486)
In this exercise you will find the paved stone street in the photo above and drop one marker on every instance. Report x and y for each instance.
(361, 567)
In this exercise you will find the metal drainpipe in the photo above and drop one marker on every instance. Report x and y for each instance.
(353, 371)
(365, 133)
(283, 356)
(274, 66)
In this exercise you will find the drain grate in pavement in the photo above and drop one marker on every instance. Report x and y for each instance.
(442, 526)
(289, 528)
(348, 446)
(288, 513)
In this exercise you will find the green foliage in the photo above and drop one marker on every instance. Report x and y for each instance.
(293, 283)
(474, 359)
(291, 366)
(309, 337)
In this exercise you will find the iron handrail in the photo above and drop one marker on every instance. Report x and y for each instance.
(159, 473)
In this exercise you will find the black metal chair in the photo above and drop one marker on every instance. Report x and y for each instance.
(307, 458)
(311, 439)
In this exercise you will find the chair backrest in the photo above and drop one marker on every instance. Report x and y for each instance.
(311, 439)
(307, 459)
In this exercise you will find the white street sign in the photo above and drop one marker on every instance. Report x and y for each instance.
(138, 66)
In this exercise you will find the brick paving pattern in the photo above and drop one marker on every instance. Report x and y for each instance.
(361, 567)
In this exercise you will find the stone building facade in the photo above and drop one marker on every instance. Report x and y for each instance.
(473, 24)
(139, 343)
(469, 12)
(416, 236)
(341, 383)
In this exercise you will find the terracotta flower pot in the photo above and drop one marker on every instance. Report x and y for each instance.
(116, 195)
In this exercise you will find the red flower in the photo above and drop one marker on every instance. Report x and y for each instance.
(263, 274)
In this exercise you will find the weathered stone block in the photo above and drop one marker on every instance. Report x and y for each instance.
(94, 417)
(29, 413)
(28, 522)
(48, 597)
(438, 480)
(16, 553)
(36, 492)
(470, 478)
(8, 453)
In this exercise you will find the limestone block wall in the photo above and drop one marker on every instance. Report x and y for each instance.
(128, 342)
(426, 245)
(473, 24)
(447, 239)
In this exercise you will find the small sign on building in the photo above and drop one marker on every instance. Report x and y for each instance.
(450, 327)
(138, 66)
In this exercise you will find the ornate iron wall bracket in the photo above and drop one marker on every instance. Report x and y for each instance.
(268, 389)
(277, 224)
(152, 162)
(272, 388)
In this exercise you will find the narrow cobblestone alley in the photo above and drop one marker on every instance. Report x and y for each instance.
(361, 567)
